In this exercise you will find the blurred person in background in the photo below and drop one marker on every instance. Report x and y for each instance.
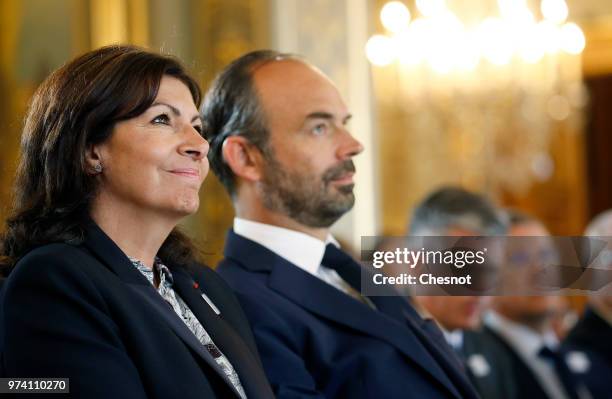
(589, 343)
(280, 144)
(453, 211)
(103, 288)
(518, 330)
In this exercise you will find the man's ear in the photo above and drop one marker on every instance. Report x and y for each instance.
(243, 157)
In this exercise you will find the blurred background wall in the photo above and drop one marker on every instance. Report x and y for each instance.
(532, 134)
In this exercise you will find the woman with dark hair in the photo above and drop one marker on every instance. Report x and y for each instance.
(102, 287)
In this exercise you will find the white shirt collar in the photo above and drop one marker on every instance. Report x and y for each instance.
(523, 339)
(302, 250)
(454, 338)
(527, 344)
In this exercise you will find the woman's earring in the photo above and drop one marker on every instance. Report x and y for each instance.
(98, 168)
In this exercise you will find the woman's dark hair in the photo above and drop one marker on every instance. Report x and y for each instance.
(75, 107)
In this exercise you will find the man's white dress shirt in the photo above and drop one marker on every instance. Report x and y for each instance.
(302, 250)
(527, 343)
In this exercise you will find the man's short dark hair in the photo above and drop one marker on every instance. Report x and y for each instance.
(450, 207)
(231, 108)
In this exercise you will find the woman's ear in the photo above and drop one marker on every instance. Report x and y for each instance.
(93, 160)
(243, 158)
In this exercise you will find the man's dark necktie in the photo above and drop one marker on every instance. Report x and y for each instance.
(396, 307)
(350, 271)
(391, 304)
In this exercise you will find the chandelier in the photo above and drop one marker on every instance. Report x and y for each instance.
(490, 82)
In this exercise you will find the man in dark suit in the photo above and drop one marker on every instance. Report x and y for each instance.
(453, 211)
(589, 343)
(517, 343)
(589, 347)
(279, 143)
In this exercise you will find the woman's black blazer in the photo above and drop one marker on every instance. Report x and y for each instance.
(84, 312)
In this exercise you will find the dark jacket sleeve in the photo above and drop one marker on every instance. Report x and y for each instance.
(279, 348)
(56, 324)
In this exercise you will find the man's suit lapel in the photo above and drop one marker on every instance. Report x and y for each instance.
(446, 356)
(398, 308)
(111, 256)
(223, 335)
(327, 302)
(166, 313)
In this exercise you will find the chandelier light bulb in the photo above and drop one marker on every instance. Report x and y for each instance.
(431, 8)
(533, 51)
(514, 10)
(410, 49)
(554, 11)
(380, 50)
(496, 41)
(550, 35)
(529, 44)
(440, 60)
(572, 38)
(395, 16)
(467, 54)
